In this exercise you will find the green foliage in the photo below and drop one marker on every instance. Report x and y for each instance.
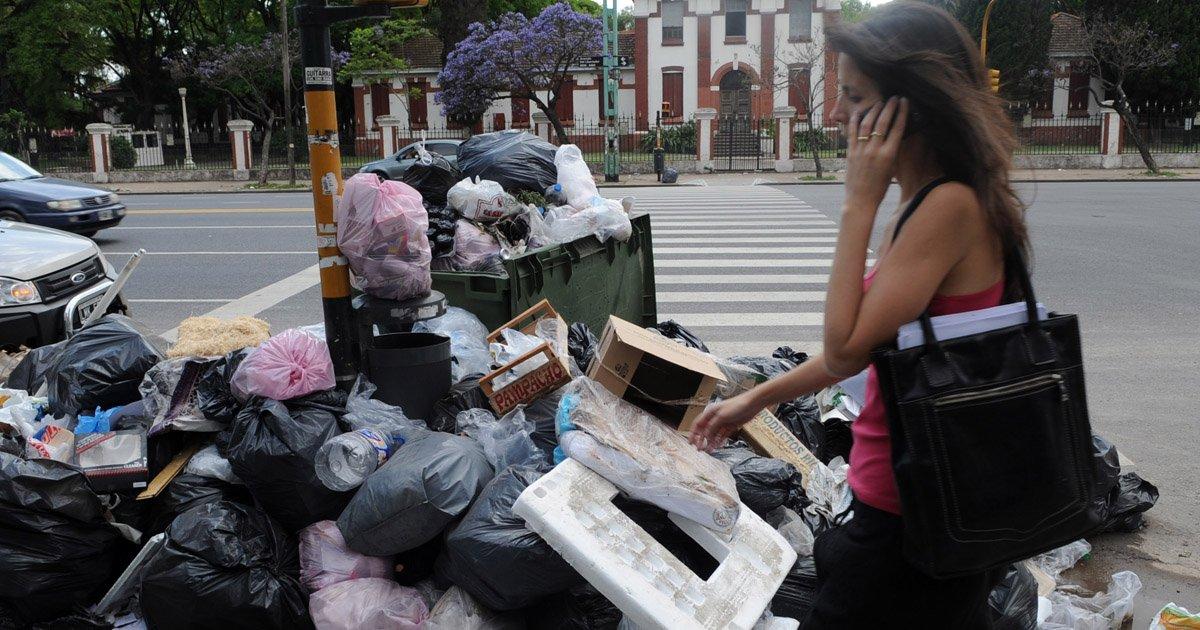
(809, 140)
(625, 19)
(530, 8)
(51, 55)
(123, 155)
(529, 197)
(373, 49)
(855, 10)
(675, 139)
(11, 122)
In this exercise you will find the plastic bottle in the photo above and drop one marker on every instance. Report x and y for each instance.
(555, 196)
(346, 460)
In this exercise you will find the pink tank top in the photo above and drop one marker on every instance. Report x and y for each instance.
(871, 476)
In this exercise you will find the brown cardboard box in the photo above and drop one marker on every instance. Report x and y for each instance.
(551, 375)
(768, 436)
(654, 373)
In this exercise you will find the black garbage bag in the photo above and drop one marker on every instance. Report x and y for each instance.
(763, 483)
(101, 366)
(838, 438)
(30, 373)
(432, 176)
(802, 417)
(425, 486)
(518, 160)
(795, 357)
(441, 229)
(1012, 604)
(767, 367)
(581, 345)
(417, 564)
(272, 446)
(542, 413)
(463, 395)
(225, 565)
(1127, 502)
(187, 491)
(672, 329)
(57, 551)
(495, 558)
(214, 398)
(795, 596)
(580, 607)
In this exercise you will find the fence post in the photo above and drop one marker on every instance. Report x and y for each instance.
(1112, 136)
(389, 134)
(541, 125)
(704, 154)
(99, 134)
(239, 141)
(783, 139)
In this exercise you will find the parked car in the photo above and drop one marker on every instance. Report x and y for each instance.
(50, 281)
(27, 196)
(393, 167)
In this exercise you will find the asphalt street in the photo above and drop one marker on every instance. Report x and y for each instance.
(1121, 255)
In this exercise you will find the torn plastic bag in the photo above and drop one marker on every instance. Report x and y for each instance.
(457, 610)
(169, 396)
(581, 344)
(1102, 611)
(101, 366)
(786, 353)
(796, 595)
(672, 329)
(580, 607)
(365, 412)
(415, 495)
(644, 458)
(368, 604)
(224, 565)
(575, 177)
(481, 200)
(829, 495)
(431, 175)
(1012, 604)
(495, 558)
(506, 441)
(514, 344)
(1131, 497)
(604, 221)
(464, 395)
(325, 559)
(30, 374)
(517, 160)
(187, 491)
(763, 483)
(272, 447)
(214, 396)
(468, 341)
(381, 230)
(1174, 617)
(288, 365)
(207, 462)
(56, 549)
(794, 530)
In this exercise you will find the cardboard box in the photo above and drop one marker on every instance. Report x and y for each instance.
(670, 381)
(770, 437)
(549, 376)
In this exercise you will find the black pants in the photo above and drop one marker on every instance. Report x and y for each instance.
(863, 581)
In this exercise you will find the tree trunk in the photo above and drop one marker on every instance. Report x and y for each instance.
(265, 162)
(287, 93)
(1130, 123)
(559, 130)
(815, 147)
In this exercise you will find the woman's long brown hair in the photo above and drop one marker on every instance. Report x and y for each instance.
(916, 50)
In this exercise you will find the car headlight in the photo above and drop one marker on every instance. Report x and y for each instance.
(66, 204)
(114, 198)
(17, 292)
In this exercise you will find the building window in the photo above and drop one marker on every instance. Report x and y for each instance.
(735, 18)
(800, 20)
(672, 92)
(1079, 95)
(418, 107)
(672, 21)
(520, 113)
(799, 86)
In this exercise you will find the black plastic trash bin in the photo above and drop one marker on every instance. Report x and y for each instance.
(411, 370)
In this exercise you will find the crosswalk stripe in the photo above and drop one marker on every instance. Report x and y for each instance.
(687, 297)
(757, 278)
(742, 250)
(714, 239)
(741, 263)
(744, 320)
(760, 348)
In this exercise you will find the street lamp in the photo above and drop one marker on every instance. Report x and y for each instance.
(187, 138)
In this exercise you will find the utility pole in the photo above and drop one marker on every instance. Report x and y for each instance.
(993, 74)
(612, 76)
(287, 91)
(325, 162)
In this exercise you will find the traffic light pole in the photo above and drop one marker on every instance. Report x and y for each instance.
(325, 162)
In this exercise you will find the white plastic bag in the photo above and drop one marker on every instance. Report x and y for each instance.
(506, 441)
(1055, 561)
(381, 230)
(481, 200)
(207, 462)
(365, 412)
(575, 177)
(829, 491)
(1102, 611)
(457, 610)
(512, 345)
(367, 604)
(564, 224)
(468, 341)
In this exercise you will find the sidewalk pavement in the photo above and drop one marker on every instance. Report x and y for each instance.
(698, 179)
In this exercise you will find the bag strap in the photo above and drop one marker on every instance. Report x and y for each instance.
(916, 201)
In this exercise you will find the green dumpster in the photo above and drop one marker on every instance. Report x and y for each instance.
(585, 280)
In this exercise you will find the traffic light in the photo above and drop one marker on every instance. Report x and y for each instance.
(666, 109)
(994, 80)
(399, 4)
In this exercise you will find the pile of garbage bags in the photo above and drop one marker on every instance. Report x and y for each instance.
(227, 516)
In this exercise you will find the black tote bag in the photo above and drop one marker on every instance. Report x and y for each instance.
(991, 444)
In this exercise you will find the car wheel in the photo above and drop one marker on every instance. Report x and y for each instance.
(381, 174)
(11, 215)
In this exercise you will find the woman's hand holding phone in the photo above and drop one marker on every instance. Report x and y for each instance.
(873, 145)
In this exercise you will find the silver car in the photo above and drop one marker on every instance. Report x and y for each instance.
(393, 167)
(50, 281)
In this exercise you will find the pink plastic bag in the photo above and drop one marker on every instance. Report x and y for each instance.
(290, 364)
(325, 559)
(368, 604)
(381, 229)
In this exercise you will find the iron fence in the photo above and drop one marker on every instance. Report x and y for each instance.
(1174, 129)
(51, 150)
(1041, 132)
(828, 142)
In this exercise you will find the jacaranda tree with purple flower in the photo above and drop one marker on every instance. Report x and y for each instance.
(517, 57)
